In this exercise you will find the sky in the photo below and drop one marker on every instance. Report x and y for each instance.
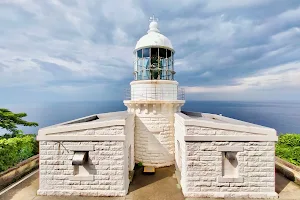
(83, 50)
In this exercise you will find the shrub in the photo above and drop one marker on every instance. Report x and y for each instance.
(288, 148)
(289, 140)
(17, 149)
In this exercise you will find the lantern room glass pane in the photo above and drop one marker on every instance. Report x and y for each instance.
(169, 53)
(139, 53)
(154, 64)
(146, 62)
(139, 68)
(162, 53)
(154, 52)
(146, 52)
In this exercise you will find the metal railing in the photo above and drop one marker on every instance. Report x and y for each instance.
(155, 94)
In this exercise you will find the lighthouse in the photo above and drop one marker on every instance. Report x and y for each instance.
(214, 156)
(154, 97)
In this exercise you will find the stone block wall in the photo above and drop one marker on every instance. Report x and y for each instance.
(207, 168)
(107, 165)
(255, 166)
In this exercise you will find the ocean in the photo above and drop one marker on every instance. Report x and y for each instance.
(283, 116)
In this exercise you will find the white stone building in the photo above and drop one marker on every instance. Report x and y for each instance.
(215, 156)
(221, 157)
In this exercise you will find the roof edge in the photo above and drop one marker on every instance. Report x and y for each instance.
(81, 126)
(229, 138)
(120, 120)
(187, 121)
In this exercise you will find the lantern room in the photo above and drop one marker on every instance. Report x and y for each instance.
(154, 56)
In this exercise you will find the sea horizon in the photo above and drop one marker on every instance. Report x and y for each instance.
(280, 115)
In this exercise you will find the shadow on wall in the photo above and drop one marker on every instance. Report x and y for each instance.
(155, 139)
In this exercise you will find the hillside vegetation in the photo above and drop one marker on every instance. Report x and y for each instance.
(288, 148)
(17, 149)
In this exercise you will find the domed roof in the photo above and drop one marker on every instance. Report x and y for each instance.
(153, 38)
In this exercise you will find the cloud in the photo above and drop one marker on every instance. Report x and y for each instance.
(286, 35)
(215, 5)
(278, 77)
(47, 47)
(290, 15)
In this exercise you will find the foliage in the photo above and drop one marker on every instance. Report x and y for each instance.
(7, 136)
(140, 164)
(288, 148)
(10, 120)
(17, 149)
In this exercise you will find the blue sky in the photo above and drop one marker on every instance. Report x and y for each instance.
(82, 50)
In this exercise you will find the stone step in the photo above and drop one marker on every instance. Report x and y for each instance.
(149, 169)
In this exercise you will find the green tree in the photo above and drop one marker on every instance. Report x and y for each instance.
(10, 121)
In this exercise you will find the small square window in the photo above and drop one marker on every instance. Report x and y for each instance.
(82, 168)
(230, 164)
(80, 163)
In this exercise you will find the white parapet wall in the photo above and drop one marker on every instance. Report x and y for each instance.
(154, 90)
(107, 142)
(224, 158)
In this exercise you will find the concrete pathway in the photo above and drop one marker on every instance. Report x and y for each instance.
(160, 186)
(286, 189)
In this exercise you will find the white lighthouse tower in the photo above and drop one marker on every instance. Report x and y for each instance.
(154, 97)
